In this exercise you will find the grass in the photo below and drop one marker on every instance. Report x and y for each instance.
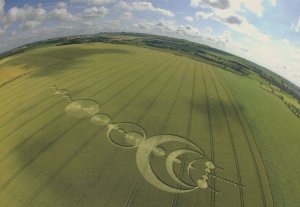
(276, 132)
(51, 159)
(288, 100)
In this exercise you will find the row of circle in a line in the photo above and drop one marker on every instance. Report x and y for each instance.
(125, 134)
(133, 135)
(86, 107)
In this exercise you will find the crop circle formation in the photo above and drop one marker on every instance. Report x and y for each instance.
(128, 135)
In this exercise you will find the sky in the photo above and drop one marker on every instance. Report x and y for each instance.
(266, 32)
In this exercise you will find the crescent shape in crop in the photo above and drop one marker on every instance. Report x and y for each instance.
(143, 160)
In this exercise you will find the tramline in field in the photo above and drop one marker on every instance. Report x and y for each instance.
(189, 135)
(135, 137)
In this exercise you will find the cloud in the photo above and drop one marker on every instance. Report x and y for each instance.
(171, 28)
(93, 2)
(112, 25)
(296, 26)
(189, 18)
(254, 6)
(233, 20)
(220, 4)
(273, 2)
(249, 30)
(24, 14)
(230, 7)
(279, 56)
(2, 3)
(144, 6)
(95, 12)
(61, 5)
(203, 15)
(126, 16)
(2, 31)
(167, 27)
(285, 41)
(282, 56)
(144, 26)
(29, 25)
(60, 12)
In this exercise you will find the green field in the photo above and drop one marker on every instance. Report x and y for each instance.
(48, 158)
(276, 130)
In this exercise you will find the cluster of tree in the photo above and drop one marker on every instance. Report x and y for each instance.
(83, 40)
(29, 46)
(280, 85)
(294, 109)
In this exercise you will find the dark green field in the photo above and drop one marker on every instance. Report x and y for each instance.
(48, 158)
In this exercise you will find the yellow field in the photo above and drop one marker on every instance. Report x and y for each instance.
(48, 158)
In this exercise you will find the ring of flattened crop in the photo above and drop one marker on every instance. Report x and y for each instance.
(138, 130)
(143, 160)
